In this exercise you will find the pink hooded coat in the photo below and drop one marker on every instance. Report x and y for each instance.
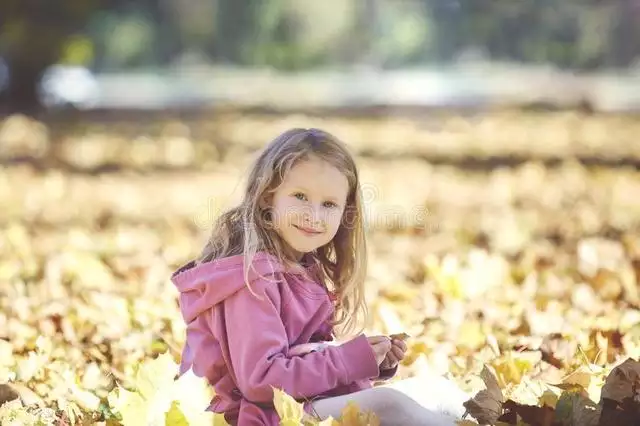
(241, 343)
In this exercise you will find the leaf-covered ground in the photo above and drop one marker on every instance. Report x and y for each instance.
(521, 283)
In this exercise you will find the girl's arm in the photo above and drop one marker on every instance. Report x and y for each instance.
(306, 348)
(258, 345)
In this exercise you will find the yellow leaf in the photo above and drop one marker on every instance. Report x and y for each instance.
(581, 376)
(131, 406)
(155, 375)
(511, 367)
(194, 395)
(352, 416)
(527, 392)
(590, 377)
(288, 409)
(471, 335)
(153, 395)
(13, 413)
(446, 275)
(85, 399)
(175, 416)
(549, 398)
(329, 421)
(415, 349)
(87, 269)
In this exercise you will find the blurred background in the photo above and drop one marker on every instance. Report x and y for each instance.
(497, 141)
(156, 54)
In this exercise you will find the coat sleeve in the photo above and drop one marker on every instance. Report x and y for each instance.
(258, 346)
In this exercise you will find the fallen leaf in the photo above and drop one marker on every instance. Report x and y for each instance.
(289, 410)
(621, 395)
(623, 382)
(530, 414)
(511, 366)
(486, 405)
(352, 416)
(477, 266)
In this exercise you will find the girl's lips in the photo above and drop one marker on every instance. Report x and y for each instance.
(310, 231)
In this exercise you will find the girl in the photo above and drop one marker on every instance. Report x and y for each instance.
(282, 272)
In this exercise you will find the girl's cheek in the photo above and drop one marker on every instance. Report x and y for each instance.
(293, 214)
(335, 219)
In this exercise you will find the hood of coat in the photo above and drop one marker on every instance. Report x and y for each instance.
(205, 285)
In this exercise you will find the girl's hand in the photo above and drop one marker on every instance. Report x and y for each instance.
(381, 345)
(395, 355)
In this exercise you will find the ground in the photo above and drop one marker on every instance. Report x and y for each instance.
(503, 239)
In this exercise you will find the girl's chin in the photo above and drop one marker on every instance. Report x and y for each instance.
(300, 250)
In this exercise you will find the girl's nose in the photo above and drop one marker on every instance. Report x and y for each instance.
(313, 216)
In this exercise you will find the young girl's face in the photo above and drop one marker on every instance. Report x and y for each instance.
(308, 206)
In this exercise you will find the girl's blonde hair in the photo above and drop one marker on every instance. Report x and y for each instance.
(245, 229)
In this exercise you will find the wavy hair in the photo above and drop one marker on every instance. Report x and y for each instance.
(246, 229)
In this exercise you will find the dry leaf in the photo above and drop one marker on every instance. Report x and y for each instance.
(621, 395)
(352, 416)
(399, 336)
(530, 414)
(623, 382)
(486, 406)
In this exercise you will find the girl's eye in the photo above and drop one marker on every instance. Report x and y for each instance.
(299, 196)
(330, 204)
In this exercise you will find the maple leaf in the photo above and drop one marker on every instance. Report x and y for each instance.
(588, 377)
(530, 414)
(486, 406)
(574, 408)
(153, 393)
(289, 410)
(621, 395)
(192, 396)
(511, 367)
(623, 382)
(157, 396)
(175, 416)
(131, 406)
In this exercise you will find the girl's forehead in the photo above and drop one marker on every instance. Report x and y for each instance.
(317, 175)
(313, 169)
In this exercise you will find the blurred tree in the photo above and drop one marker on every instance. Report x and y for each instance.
(33, 34)
(573, 34)
(236, 23)
(113, 35)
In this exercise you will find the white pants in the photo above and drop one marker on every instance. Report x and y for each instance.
(428, 399)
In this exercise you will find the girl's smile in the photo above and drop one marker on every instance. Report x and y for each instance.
(310, 232)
